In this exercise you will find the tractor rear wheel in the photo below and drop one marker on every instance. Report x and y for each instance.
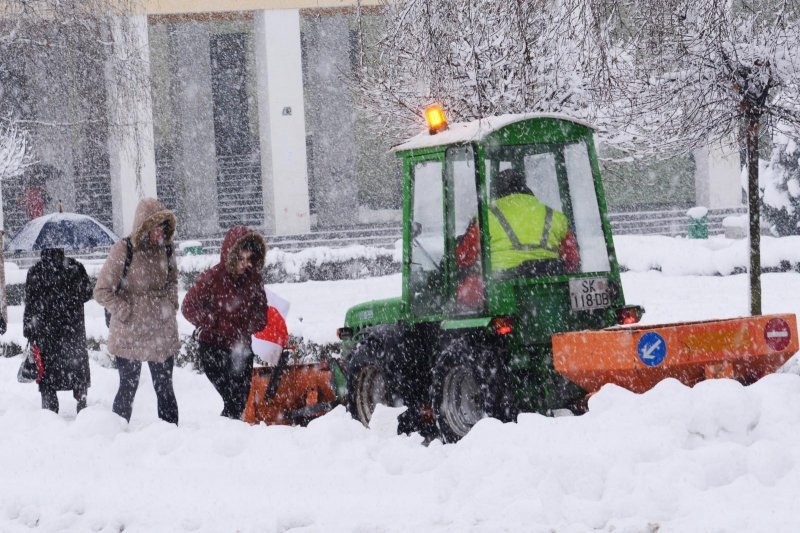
(468, 385)
(367, 383)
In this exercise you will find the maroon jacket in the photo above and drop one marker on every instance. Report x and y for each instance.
(227, 308)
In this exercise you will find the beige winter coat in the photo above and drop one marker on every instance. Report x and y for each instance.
(143, 312)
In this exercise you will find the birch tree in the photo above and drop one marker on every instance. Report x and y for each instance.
(677, 74)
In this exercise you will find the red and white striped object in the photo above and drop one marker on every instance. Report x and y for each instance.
(269, 342)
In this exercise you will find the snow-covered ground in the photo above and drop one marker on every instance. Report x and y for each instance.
(718, 457)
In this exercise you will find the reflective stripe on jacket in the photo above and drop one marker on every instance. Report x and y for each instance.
(522, 228)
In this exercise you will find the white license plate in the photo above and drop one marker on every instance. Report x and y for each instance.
(589, 293)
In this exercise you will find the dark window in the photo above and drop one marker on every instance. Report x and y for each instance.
(229, 93)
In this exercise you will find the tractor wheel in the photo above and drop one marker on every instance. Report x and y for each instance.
(468, 385)
(367, 383)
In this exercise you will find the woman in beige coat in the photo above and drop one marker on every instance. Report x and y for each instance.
(143, 302)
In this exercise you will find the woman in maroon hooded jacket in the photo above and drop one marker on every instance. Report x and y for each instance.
(227, 304)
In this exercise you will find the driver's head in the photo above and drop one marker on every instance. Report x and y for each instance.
(509, 181)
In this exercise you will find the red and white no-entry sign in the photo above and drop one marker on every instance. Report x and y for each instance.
(777, 334)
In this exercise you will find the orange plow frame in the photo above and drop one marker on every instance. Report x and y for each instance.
(744, 349)
(304, 392)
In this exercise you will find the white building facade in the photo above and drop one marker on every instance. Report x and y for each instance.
(248, 119)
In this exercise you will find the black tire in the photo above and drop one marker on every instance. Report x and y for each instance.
(367, 382)
(468, 384)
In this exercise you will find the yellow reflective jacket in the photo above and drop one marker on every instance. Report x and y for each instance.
(521, 228)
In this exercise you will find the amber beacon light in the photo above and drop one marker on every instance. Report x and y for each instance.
(437, 122)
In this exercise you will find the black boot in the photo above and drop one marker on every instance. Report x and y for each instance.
(49, 400)
(80, 396)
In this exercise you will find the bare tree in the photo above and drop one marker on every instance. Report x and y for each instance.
(68, 41)
(72, 75)
(677, 74)
(80, 50)
(476, 57)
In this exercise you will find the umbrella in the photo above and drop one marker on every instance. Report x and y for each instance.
(70, 231)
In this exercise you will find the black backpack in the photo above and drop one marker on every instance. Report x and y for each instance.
(127, 264)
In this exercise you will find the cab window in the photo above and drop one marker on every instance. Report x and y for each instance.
(560, 177)
(427, 237)
(585, 209)
(469, 289)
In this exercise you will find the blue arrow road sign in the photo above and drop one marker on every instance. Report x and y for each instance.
(652, 349)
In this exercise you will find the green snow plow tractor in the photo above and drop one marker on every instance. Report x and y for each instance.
(511, 297)
(471, 334)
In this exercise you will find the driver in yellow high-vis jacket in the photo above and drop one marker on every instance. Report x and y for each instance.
(526, 237)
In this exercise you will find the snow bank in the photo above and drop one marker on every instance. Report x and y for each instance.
(294, 262)
(678, 256)
(718, 457)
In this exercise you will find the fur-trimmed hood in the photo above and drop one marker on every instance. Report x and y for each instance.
(225, 307)
(235, 239)
(149, 214)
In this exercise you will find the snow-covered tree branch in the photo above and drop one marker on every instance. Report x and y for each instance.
(14, 153)
(69, 42)
(677, 74)
(476, 57)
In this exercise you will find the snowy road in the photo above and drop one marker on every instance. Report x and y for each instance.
(718, 457)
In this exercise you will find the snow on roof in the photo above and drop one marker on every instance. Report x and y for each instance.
(477, 130)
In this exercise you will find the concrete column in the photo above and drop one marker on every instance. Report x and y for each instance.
(718, 176)
(332, 121)
(281, 121)
(195, 150)
(130, 110)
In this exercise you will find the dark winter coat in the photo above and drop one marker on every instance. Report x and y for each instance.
(55, 291)
(144, 324)
(227, 308)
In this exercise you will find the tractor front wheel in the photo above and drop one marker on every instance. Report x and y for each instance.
(467, 386)
(367, 384)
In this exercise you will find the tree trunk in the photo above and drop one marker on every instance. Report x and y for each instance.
(754, 208)
(3, 298)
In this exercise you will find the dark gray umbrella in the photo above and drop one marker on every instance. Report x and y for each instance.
(70, 231)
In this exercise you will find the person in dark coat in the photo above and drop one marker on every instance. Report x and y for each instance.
(55, 291)
(227, 304)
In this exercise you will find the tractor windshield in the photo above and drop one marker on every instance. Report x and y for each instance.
(545, 217)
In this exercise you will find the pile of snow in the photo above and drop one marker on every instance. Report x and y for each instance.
(697, 212)
(718, 457)
(679, 256)
(735, 221)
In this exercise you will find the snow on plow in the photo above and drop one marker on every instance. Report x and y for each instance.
(638, 357)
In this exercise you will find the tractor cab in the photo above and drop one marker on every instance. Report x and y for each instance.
(501, 209)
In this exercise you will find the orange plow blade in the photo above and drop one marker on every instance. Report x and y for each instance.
(304, 392)
(638, 357)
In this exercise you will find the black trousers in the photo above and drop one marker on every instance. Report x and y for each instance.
(129, 373)
(231, 374)
(50, 399)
